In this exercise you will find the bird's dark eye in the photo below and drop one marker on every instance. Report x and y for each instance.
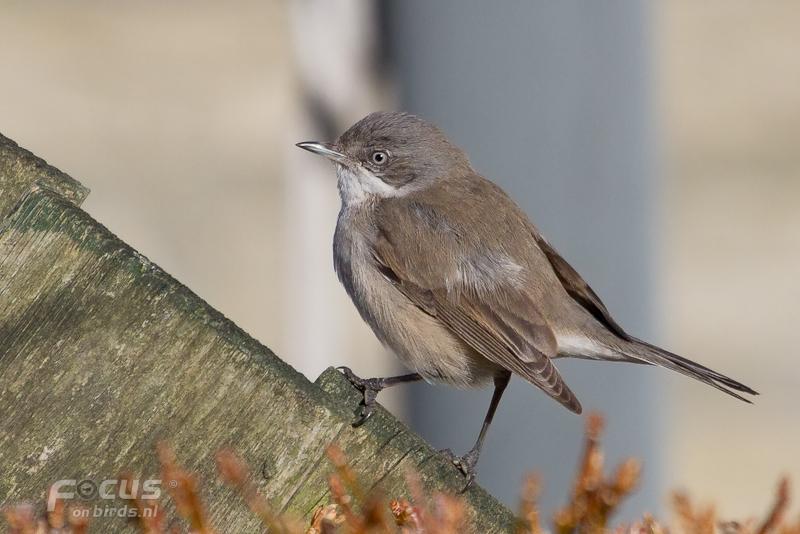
(379, 157)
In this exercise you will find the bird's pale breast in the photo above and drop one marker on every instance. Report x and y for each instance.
(420, 341)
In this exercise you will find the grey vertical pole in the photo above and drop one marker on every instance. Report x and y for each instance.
(551, 100)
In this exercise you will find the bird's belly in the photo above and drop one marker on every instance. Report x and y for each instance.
(424, 344)
(420, 341)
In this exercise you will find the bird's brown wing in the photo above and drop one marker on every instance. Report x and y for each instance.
(503, 325)
(577, 288)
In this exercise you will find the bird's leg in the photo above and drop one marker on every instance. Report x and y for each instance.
(370, 388)
(468, 463)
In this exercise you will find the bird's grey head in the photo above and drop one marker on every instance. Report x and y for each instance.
(389, 154)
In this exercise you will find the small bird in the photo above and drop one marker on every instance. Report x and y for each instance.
(452, 276)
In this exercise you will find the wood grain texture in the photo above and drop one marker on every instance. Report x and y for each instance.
(20, 170)
(103, 354)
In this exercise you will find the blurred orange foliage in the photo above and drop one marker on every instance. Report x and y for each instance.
(594, 499)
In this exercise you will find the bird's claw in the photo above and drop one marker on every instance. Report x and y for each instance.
(363, 412)
(369, 387)
(466, 464)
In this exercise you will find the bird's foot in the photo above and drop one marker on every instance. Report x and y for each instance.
(370, 387)
(467, 464)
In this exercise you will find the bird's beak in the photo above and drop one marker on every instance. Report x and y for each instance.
(323, 149)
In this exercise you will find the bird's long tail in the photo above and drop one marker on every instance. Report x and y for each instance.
(647, 353)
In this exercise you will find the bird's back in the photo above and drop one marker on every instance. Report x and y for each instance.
(474, 218)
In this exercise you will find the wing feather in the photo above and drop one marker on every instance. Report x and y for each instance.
(503, 325)
(577, 288)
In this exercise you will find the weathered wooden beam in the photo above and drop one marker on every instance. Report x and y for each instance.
(103, 354)
(20, 170)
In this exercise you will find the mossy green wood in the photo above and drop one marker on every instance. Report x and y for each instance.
(103, 354)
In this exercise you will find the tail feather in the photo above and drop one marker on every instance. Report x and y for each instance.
(648, 353)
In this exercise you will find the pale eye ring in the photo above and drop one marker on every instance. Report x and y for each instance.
(379, 157)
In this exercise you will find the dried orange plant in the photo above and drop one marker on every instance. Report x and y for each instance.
(594, 499)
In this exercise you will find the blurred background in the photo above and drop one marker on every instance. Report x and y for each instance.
(657, 145)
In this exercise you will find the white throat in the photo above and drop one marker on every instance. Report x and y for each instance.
(358, 185)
